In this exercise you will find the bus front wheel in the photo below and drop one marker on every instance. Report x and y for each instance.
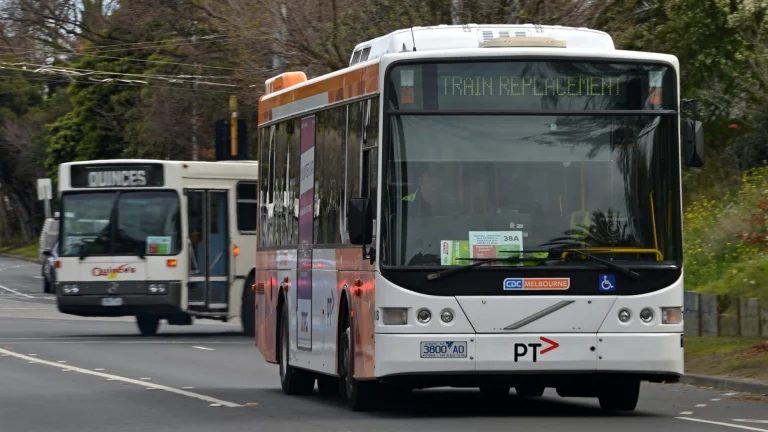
(148, 324)
(293, 381)
(359, 394)
(619, 396)
(248, 309)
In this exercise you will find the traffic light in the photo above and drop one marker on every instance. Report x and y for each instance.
(226, 147)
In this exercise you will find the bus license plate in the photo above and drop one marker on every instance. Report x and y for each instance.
(444, 349)
(112, 301)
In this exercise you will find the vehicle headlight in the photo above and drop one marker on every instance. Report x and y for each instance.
(70, 289)
(158, 288)
(671, 315)
(625, 315)
(423, 315)
(446, 315)
(646, 315)
(394, 315)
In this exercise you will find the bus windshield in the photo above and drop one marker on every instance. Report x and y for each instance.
(120, 223)
(476, 179)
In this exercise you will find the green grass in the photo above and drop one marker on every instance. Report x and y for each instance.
(29, 251)
(727, 356)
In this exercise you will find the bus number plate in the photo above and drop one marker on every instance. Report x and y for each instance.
(444, 349)
(112, 301)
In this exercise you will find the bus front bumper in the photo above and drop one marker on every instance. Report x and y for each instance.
(649, 356)
(105, 304)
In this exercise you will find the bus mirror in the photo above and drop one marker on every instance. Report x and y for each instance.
(360, 221)
(693, 143)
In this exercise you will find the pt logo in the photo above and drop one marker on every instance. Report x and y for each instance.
(522, 349)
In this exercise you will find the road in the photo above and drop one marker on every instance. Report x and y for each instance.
(65, 373)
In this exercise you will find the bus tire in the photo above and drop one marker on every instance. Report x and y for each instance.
(293, 381)
(619, 396)
(360, 395)
(147, 324)
(248, 308)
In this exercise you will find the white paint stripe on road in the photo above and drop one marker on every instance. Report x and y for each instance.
(10, 268)
(13, 291)
(203, 348)
(735, 426)
(111, 377)
(751, 421)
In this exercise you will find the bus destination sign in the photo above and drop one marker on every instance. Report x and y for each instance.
(117, 176)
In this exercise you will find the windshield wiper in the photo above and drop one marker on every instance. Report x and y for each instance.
(618, 267)
(482, 261)
(130, 242)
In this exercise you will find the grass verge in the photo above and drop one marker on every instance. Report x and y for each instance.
(29, 251)
(737, 357)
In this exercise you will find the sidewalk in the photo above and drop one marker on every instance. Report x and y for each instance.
(727, 383)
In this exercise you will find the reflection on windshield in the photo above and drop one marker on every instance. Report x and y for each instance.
(120, 223)
(463, 187)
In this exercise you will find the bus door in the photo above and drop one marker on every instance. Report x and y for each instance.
(208, 241)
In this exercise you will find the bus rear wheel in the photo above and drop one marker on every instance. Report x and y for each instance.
(147, 324)
(248, 309)
(293, 381)
(619, 396)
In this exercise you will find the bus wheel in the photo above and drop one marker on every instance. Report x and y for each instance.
(148, 324)
(293, 381)
(359, 394)
(619, 396)
(248, 309)
(529, 390)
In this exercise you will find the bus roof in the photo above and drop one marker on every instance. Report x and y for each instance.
(444, 37)
(174, 171)
(364, 77)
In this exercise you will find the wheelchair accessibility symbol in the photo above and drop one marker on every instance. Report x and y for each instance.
(607, 283)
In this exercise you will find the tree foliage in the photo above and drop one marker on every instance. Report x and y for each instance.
(148, 78)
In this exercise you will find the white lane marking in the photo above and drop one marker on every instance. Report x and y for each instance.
(111, 377)
(99, 369)
(735, 426)
(188, 388)
(203, 348)
(146, 379)
(730, 394)
(751, 421)
(686, 413)
(715, 400)
(10, 268)
(13, 291)
(700, 405)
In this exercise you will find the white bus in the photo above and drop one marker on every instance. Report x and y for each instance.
(516, 192)
(157, 239)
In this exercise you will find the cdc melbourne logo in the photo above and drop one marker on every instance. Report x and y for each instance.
(513, 284)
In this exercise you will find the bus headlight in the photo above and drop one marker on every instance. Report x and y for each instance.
(646, 315)
(671, 315)
(394, 316)
(157, 288)
(625, 315)
(423, 315)
(70, 289)
(446, 315)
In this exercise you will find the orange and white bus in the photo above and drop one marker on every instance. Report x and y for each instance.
(487, 206)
